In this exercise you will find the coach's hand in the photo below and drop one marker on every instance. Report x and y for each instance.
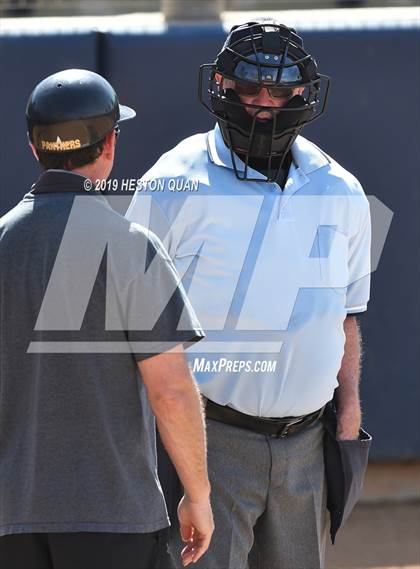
(197, 526)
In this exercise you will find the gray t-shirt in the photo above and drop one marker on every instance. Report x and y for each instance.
(84, 295)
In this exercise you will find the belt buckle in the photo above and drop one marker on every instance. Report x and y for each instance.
(285, 430)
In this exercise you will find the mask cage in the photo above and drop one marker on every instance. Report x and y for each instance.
(253, 48)
(314, 105)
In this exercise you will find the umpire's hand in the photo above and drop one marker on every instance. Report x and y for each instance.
(197, 526)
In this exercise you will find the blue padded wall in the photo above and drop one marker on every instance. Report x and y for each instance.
(372, 128)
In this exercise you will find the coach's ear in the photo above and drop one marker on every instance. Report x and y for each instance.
(109, 145)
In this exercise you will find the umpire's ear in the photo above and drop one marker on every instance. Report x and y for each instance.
(223, 82)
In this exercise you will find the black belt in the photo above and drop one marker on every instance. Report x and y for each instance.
(279, 428)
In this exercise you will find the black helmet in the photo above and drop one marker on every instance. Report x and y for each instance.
(73, 109)
(263, 54)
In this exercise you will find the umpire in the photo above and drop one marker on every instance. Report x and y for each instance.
(93, 327)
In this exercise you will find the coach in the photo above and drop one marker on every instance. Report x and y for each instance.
(88, 300)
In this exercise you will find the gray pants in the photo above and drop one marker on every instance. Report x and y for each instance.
(269, 500)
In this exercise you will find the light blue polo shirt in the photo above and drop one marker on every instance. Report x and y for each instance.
(271, 274)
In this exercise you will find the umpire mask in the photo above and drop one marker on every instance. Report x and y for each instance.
(262, 55)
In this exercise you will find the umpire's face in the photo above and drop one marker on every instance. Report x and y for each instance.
(260, 95)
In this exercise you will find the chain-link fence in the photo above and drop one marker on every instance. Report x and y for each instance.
(76, 7)
(186, 7)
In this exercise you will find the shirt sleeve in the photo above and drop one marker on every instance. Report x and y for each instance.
(159, 315)
(359, 265)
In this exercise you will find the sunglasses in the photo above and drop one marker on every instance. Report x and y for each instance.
(252, 90)
(117, 131)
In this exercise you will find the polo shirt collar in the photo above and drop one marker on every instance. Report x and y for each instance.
(307, 157)
(60, 181)
(220, 154)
